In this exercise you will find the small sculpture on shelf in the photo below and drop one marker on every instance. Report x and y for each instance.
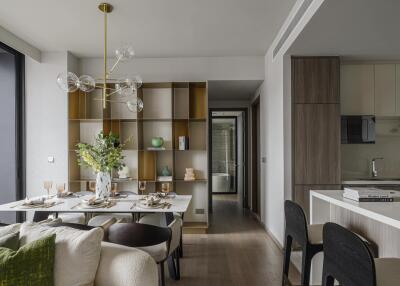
(123, 173)
(189, 175)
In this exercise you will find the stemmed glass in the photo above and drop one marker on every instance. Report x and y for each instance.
(142, 186)
(48, 185)
(60, 189)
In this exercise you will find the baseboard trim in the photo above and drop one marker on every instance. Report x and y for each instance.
(274, 239)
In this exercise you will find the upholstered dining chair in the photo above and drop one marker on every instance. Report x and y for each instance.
(348, 259)
(152, 239)
(159, 219)
(309, 237)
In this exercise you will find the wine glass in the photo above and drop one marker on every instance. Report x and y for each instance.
(142, 186)
(114, 189)
(92, 186)
(60, 189)
(47, 186)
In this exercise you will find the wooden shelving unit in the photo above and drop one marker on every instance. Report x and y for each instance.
(170, 110)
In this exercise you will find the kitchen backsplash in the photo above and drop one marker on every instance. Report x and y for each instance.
(356, 158)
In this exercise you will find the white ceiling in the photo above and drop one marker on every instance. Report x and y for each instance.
(232, 89)
(156, 28)
(356, 29)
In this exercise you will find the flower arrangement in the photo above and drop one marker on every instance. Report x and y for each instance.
(105, 155)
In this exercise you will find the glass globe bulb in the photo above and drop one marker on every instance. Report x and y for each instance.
(125, 53)
(135, 104)
(126, 86)
(68, 81)
(138, 81)
(86, 83)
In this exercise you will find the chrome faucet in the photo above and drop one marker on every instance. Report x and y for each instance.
(374, 169)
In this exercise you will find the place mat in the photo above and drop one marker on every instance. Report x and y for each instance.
(38, 206)
(106, 204)
(155, 206)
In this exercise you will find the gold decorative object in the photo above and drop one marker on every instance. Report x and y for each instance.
(126, 87)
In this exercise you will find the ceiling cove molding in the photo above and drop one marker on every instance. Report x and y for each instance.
(20, 45)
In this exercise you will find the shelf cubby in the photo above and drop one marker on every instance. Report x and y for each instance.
(181, 128)
(77, 105)
(158, 101)
(197, 138)
(195, 159)
(147, 166)
(150, 129)
(197, 100)
(181, 100)
(164, 159)
(129, 135)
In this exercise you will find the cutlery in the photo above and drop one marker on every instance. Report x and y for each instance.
(133, 205)
(75, 206)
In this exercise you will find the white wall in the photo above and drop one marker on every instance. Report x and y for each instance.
(46, 123)
(183, 69)
(275, 104)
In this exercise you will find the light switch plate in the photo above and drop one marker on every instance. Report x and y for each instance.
(50, 159)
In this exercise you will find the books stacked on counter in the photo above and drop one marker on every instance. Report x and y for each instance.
(371, 195)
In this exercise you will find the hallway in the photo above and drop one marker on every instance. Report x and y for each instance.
(236, 251)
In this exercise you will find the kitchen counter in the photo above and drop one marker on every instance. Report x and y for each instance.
(378, 222)
(378, 182)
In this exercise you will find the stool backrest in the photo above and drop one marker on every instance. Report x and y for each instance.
(296, 222)
(138, 235)
(347, 258)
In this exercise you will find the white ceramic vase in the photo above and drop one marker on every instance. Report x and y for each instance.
(103, 185)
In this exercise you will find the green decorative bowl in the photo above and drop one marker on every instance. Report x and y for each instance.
(157, 142)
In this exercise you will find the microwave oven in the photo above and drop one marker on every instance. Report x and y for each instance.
(358, 129)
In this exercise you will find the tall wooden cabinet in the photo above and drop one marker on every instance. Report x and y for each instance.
(170, 110)
(316, 125)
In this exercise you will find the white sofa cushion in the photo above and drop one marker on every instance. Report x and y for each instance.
(77, 252)
(125, 266)
(12, 228)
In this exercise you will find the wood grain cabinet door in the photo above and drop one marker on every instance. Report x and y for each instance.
(316, 79)
(317, 144)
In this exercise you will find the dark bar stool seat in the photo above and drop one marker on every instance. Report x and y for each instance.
(308, 237)
(348, 259)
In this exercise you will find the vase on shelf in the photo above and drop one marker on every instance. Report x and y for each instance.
(165, 171)
(157, 142)
(103, 185)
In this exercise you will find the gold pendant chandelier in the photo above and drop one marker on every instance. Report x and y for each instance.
(126, 87)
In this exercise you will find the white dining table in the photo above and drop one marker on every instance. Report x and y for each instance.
(128, 204)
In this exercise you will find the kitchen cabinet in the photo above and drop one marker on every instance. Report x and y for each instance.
(385, 90)
(317, 144)
(315, 79)
(357, 89)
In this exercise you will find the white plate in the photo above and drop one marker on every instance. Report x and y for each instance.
(145, 206)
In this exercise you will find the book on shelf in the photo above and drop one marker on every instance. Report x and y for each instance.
(371, 194)
(164, 178)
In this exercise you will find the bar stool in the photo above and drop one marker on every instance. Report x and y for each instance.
(348, 259)
(309, 238)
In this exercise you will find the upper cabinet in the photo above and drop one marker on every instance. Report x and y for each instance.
(385, 89)
(370, 89)
(357, 89)
(315, 79)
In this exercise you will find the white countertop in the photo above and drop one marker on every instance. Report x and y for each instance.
(371, 182)
(385, 212)
(179, 204)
